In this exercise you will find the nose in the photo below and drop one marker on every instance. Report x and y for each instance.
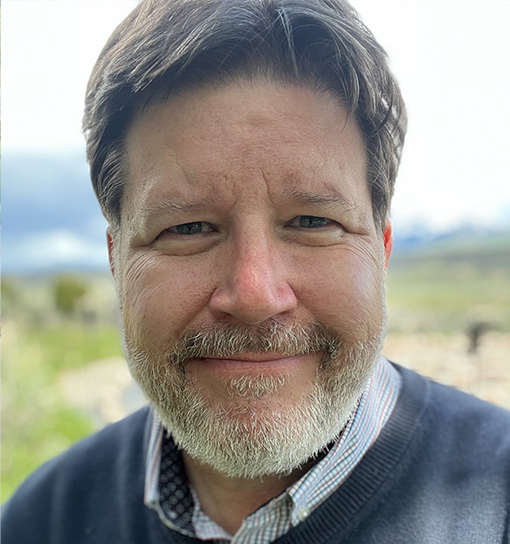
(252, 286)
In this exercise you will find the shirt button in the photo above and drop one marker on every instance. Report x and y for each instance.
(303, 513)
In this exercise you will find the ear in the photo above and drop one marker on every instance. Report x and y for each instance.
(388, 242)
(109, 241)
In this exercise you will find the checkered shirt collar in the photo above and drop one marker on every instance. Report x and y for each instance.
(183, 513)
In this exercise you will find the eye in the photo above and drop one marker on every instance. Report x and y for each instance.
(187, 239)
(310, 222)
(310, 230)
(197, 227)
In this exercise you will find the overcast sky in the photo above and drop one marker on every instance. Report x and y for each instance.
(450, 57)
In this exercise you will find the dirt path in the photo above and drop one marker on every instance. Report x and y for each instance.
(445, 359)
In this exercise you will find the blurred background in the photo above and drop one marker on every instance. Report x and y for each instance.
(449, 275)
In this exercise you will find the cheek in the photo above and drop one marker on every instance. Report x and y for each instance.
(345, 289)
(161, 297)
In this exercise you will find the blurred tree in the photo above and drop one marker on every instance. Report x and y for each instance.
(68, 292)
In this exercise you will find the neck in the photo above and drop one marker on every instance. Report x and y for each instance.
(228, 501)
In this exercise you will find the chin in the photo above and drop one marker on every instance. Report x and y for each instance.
(252, 432)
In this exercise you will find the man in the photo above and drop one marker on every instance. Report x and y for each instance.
(244, 153)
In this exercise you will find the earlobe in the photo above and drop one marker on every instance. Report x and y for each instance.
(109, 241)
(388, 242)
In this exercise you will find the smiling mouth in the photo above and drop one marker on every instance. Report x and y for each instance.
(252, 358)
(256, 364)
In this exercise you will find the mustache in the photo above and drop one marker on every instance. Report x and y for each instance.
(227, 340)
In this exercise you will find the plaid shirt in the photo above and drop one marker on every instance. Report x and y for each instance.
(167, 491)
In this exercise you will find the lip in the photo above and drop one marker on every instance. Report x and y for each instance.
(252, 358)
(250, 364)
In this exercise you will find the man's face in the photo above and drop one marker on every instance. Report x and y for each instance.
(250, 271)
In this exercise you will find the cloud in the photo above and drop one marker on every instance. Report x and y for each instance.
(50, 217)
(53, 250)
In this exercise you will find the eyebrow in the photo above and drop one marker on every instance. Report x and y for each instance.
(326, 200)
(172, 205)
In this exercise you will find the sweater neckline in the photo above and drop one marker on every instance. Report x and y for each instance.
(365, 484)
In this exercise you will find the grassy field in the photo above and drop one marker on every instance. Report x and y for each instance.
(449, 286)
(448, 299)
(37, 422)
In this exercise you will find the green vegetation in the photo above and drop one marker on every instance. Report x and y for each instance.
(36, 422)
(450, 286)
(69, 291)
(72, 346)
(447, 299)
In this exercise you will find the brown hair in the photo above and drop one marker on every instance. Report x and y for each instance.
(169, 45)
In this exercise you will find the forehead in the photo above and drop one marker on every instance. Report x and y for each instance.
(217, 141)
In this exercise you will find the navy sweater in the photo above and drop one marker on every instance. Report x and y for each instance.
(438, 473)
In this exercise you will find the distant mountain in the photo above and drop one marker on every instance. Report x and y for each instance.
(481, 248)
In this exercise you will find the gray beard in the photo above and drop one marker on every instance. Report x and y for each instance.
(249, 437)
